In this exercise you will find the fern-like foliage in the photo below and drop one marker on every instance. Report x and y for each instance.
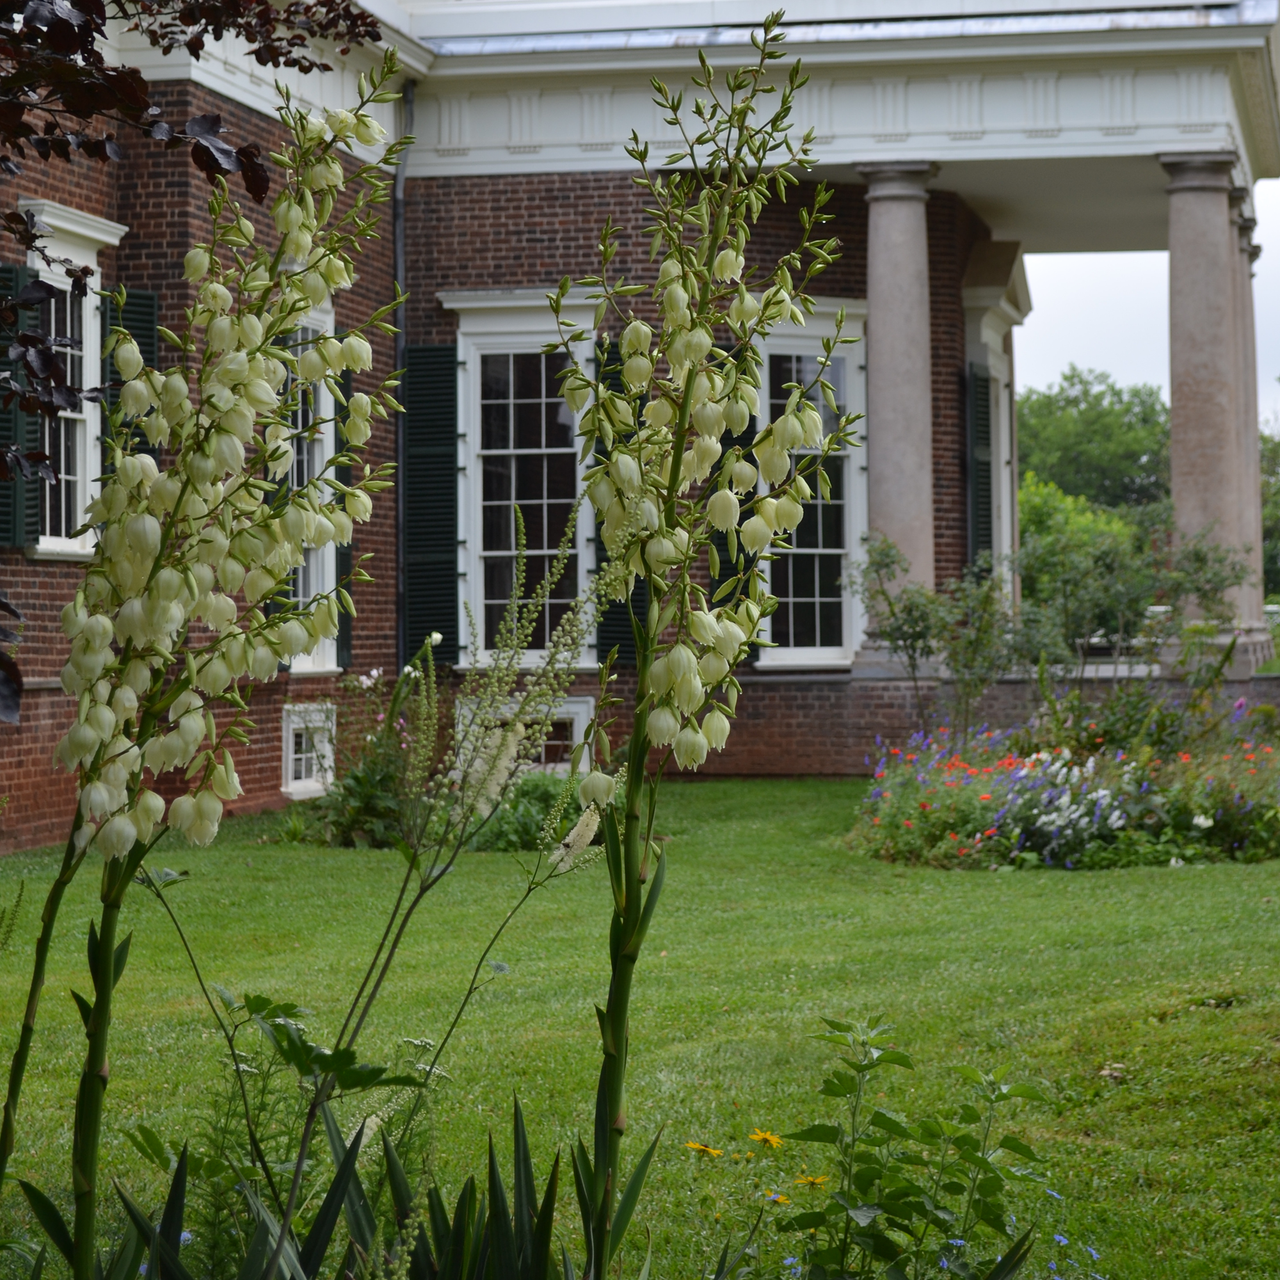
(9, 916)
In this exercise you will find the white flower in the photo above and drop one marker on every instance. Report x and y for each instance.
(637, 371)
(756, 535)
(128, 359)
(723, 510)
(663, 726)
(1202, 822)
(728, 265)
(596, 788)
(195, 266)
(690, 747)
(357, 354)
(636, 339)
(571, 847)
(715, 726)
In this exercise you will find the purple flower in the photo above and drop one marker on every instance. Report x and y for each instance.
(1054, 1194)
(1062, 1239)
(1092, 1252)
(879, 741)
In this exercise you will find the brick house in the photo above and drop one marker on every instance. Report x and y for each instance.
(954, 145)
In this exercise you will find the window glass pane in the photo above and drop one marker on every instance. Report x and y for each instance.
(528, 460)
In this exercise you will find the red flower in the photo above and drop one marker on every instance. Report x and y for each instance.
(924, 806)
(951, 835)
(906, 822)
(984, 797)
(990, 831)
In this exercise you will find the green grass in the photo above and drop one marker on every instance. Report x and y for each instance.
(769, 922)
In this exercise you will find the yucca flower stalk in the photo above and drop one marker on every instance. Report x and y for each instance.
(188, 600)
(666, 414)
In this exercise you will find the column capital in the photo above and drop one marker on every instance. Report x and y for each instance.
(897, 179)
(1199, 170)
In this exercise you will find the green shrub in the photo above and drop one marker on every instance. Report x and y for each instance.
(515, 825)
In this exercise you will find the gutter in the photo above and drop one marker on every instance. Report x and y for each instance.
(1244, 13)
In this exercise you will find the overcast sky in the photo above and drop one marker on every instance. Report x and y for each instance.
(1110, 311)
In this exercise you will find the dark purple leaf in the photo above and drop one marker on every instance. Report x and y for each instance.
(161, 131)
(7, 607)
(35, 292)
(207, 126)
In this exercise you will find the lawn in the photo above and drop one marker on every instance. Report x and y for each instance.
(1166, 1165)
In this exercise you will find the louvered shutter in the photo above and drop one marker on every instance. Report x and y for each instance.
(979, 461)
(430, 550)
(613, 626)
(342, 556)
(19, 499)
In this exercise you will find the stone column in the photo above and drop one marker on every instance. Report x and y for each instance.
(1205, 446)
(1251, 472)
(899, 362)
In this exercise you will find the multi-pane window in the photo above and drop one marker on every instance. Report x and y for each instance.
(309, 457)
(65, 438)
(304, 753)
(808, 580)
(528, 460)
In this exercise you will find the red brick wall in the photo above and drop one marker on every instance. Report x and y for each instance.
(529, 231)
(163, 200)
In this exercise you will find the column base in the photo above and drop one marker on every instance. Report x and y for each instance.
(1254, 646)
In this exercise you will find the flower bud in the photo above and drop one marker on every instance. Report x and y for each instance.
(195, 266)
(690, 747)
(675, 303)
(715, 728)
(625, 471)
(359, 505)
(660, 552)
(117, 837)
(723, 510)
(596, 788)
(743, 309)
(250, 331)
(756, 535)
(357, 431)
(359, 406)
(736, 417)
(577, 392)
(732, 638)
(660, 676)
(128, 359)
(311, 366)
(789, 513)
(368, 131)
(221, 333)
(663, 726)
(811, 426)
(148, 810)
(260, 395)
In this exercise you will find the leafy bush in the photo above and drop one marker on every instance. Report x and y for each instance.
(905, 1195)
(516, 824)
(988, 806)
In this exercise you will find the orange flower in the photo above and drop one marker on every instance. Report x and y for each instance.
(984, 797)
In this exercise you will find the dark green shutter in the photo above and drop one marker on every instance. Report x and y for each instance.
(141, 316)
(613, 626)
(430, 398)
(979, 461)
(342, 558)
(19, 499)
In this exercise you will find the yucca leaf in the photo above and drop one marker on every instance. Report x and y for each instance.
(628, 1200)
(359, 1216)
(316, 1244)
(289, 1256)
(439, 1223)
(539, 1267)
(164, 1258)
(422, 1264)
(524, 1194)
(583, 1181)
(479, 1243)
(502, 1240)
(126, 1259)
(47, 1215)
(175, 1206)
(256, 1257)
(1013, 1261)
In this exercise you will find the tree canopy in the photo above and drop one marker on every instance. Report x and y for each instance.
(1096, 440)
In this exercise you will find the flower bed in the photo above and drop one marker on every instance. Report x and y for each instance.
(987, 806)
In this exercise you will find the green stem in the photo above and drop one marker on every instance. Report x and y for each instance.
(623, 954)
(71, 861)
(93, 1086)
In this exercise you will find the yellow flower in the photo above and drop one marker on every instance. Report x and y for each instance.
(702, 1149)
(777, 1197)
(809, 1181)
(769, 1139)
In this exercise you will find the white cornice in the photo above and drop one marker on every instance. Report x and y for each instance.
(513, 311)
(69, 223)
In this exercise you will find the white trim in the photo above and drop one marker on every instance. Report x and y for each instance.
(66, 550)
(788, 339)
(577, 709)
(68, 223)
(492, 321)
(321, 716)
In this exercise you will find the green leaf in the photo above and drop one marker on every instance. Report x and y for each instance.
(1013, 1261)
(360, 1222)
(884, 1121)
(47, 1215)
(121, 959)
(972, 1074)
(1028, 1091)
(151, 1147)
(502, 1240)
(627, 1201)
(828, 1133)
(316, 1244)
(544, 1225)
(167, 1259)
(289, 1257)
(255, 1259)
(1018, 1147)
(894, 1058)
(175, 1205)
(523, 1195)
(86, 1009)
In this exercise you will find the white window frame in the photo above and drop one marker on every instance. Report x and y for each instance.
(77, 236)
(322, 719)
(498, 322)
(322, 561)
(577, 709)
(791, 339)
